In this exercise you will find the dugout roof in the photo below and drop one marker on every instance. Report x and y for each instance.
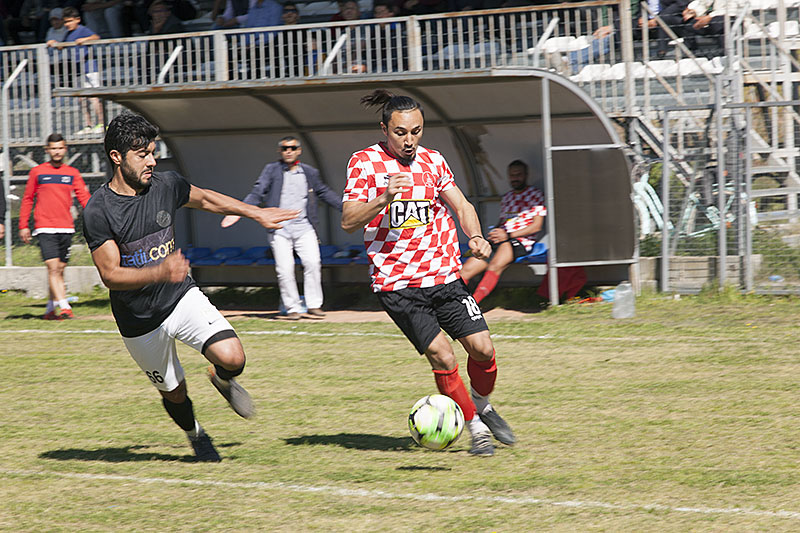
(221, 134)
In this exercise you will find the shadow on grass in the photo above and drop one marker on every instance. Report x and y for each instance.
(122, 454)
(428, 468)
(357, 441)
(84, 307)
(24, 316)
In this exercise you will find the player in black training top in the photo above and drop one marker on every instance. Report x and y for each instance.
(128, 224)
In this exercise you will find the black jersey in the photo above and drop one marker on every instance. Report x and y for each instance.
(143, 228)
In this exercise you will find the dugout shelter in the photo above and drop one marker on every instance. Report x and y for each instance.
(221, 135)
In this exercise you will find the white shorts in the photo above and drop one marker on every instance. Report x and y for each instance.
(193, 321)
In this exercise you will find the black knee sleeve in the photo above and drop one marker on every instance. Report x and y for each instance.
(216, 337)
(227, 374)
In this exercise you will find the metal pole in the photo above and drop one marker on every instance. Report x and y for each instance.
(6, 154)
(168, 64)
(45, 90)
(665, 206)
(626, 29)
(547, 158)
(414, 44)
(748, 182)
(723, 237)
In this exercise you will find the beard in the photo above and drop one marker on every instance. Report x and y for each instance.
(132, 178)
(406, 161)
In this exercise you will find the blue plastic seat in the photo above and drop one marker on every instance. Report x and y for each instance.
(358, 254)
(207, 261)
(250, 256)
(193, 254)
(537, 255)
(330, 254)
(220, 256)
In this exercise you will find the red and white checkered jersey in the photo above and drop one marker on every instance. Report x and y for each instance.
(413, 242)
(518, 210)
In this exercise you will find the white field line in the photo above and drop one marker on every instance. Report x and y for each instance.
(427, 497)
(241, 333)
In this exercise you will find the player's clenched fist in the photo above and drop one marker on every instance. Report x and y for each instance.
(174, 268)
(397, 183)
(480, 247)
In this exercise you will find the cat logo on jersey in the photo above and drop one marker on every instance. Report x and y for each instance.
(409, 213)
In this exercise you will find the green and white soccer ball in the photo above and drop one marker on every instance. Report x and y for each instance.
(435, 422)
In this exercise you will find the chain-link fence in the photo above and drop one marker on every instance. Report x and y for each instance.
(724, 198)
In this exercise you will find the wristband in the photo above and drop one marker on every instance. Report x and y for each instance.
(476, 237)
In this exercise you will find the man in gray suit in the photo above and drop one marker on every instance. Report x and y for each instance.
(288, 184)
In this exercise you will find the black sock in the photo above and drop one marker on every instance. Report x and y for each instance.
(181, 413)
(227, 374)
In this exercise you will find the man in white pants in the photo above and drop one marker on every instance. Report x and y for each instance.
(288, 184)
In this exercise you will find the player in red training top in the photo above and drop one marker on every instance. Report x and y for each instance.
(522, 213)
(51, 185)
(399, 193)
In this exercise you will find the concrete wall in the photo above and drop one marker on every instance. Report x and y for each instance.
(33, 280)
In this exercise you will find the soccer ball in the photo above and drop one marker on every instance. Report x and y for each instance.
(435, 422)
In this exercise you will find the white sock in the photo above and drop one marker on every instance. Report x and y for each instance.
(197, 431)
(482, 404)
(51, 306)
(64, 304)
(476, 426)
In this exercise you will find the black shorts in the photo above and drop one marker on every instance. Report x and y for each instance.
(517, 247)
(421, 313)
(55, 245)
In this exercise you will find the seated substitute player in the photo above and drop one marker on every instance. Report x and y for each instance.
(399, 193)
(522, 213)
(128, 224)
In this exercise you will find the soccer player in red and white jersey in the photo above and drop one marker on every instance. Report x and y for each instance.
(522, 213)
(399, 192)
(52, 185)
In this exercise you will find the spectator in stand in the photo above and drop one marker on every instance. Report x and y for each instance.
(5, 15)
(104, 17)
(84, 71)
(348, 10)
(671, 13)
(421, 7)
(33, 17)
(51, 187)
(57, 30)
(300, 49)
(290, 14)
(382, 9)
(707, 17)
(387, 54)
(234, 16)
(522, 213)
(288, 184)
(162, 20)
(263, 13)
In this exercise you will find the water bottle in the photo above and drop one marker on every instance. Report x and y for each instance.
(624, 304)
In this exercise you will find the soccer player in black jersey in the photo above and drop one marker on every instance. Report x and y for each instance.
(129, 227)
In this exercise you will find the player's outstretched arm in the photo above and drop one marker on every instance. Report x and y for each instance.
(470, 224)
(356, 215)
(222, 204)
(173, 269)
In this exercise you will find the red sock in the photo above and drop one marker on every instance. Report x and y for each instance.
(486, 286)
(449, 383)
(482, 375)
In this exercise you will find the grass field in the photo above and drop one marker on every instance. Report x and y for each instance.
(684, 418)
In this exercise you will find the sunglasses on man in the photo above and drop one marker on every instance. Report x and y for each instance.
(287, 148)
